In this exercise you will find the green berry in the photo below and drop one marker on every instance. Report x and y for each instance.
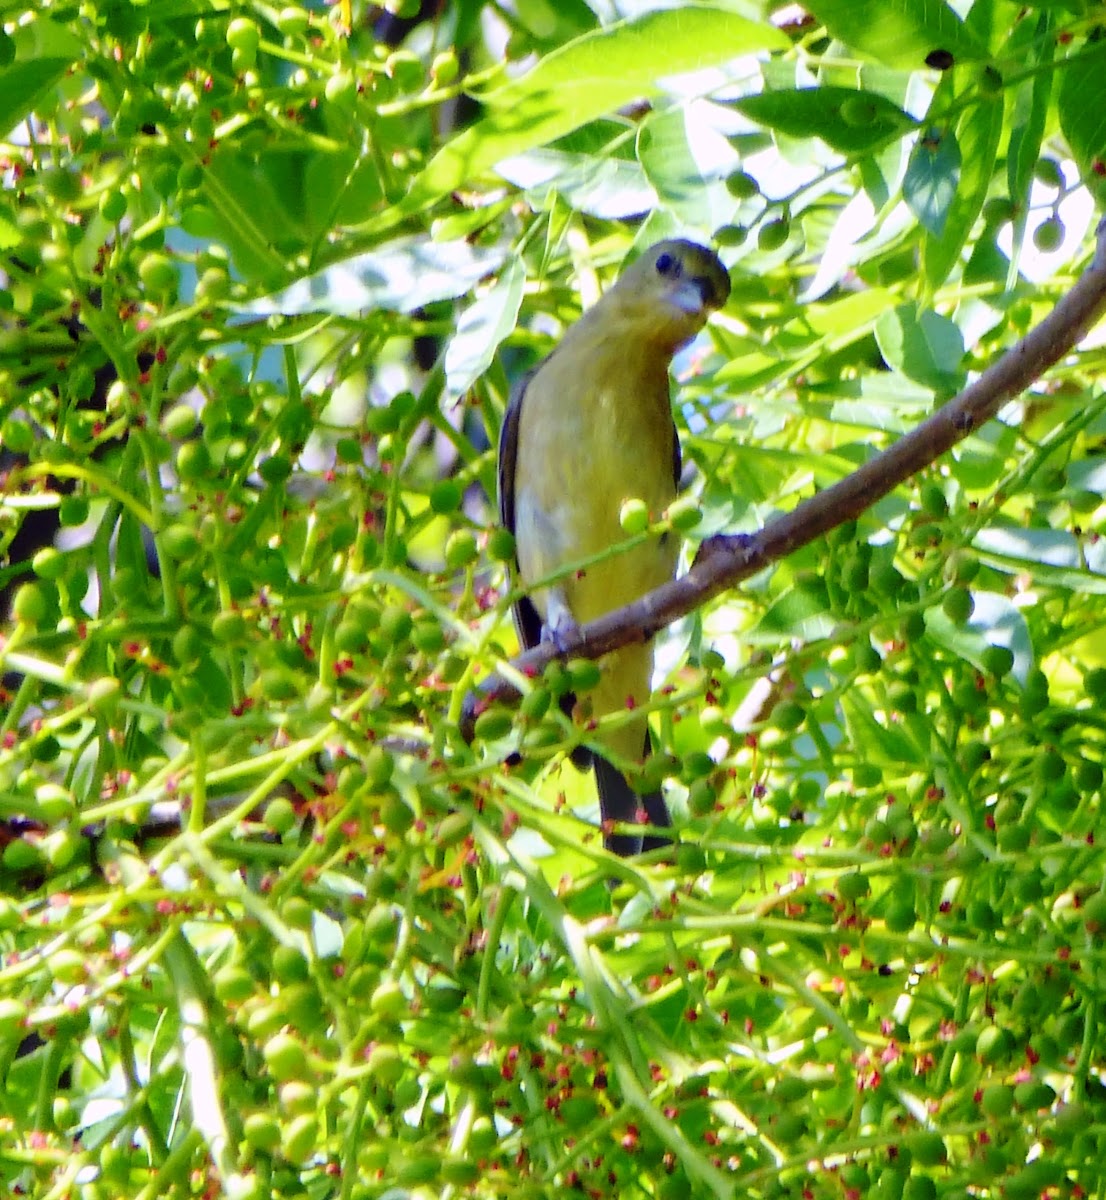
(493, 724)
(1047, 171)
(396, 624)
(445, 496)
(742, 186)
(933, 500)
(958, 605)
(853, 886)
(583, 674)
(179, 422)
(1049, 235)
(113, 205)
(999, 211)
(17, 435)
(501, 545)
(460, 549)
(285, 1057)
(388, 1000)
(998, 661)
(731, 235)
(292, 21)
(243, 35)
(179, 542)
(787, 716)
(262, 1131)
(684, 513)
(997, 1100)
(193, 462)
(300, 1137)
(158, 275)
(773, 235)
(280, 815)
(633, 516)
(31, 604)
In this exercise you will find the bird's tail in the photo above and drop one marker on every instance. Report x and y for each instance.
(619, 802)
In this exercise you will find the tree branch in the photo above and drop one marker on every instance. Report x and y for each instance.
(725, 560)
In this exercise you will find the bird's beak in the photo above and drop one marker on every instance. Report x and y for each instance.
(694, 296)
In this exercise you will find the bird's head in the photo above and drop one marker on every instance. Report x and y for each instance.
(672, 289)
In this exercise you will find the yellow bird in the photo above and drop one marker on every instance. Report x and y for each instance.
(590, 428)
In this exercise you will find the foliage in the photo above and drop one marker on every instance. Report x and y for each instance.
(269, 274)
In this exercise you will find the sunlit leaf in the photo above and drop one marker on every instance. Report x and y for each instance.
(846, 119)
(687, 164)
(1051, 557)
(978, 136)
(583, 80)
(481, 328)
(925, 347)
(402, 275)
(23, 84)
(1082, 107)
(1030, 104)
(883, 742)
(932, 179)
(995, 621)
(903, 34)
(594, 180)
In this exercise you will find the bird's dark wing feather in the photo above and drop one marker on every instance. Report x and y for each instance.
(527, 619)
(619, 802)
(528, 622)
(677, 457)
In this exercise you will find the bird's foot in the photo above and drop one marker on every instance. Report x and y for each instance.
(559, 629)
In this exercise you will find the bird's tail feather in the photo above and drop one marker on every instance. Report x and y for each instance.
(619, 802)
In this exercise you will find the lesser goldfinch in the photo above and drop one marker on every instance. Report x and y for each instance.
(589, 429)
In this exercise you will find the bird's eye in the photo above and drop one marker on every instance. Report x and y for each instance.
(666, 264)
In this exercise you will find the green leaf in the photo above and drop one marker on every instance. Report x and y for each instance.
(358, 191)
(586, 79)
(932, 178)
(401, 276)
(23, 84)
(885, 401)
(44, 38)
(253, 200)
(1030, 105)
(1082, 108)
(901, 34)
(587, 171)
(843, 320)
(481, 328)
(1052, 557)
(879, 744)
(9, 230)
(995, 621)
(978, 134)
(44, 52)
(830, 326)
(802, 612)
(926, 347)
(687, 165)
(846, 119)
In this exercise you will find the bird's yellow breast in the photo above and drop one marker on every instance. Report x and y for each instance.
(595, 429)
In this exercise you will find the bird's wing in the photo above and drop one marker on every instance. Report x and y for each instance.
(527, 619)
(677, 457)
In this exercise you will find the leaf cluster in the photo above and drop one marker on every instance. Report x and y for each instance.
(270, 926)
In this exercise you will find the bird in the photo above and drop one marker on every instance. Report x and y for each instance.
(588, 429)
